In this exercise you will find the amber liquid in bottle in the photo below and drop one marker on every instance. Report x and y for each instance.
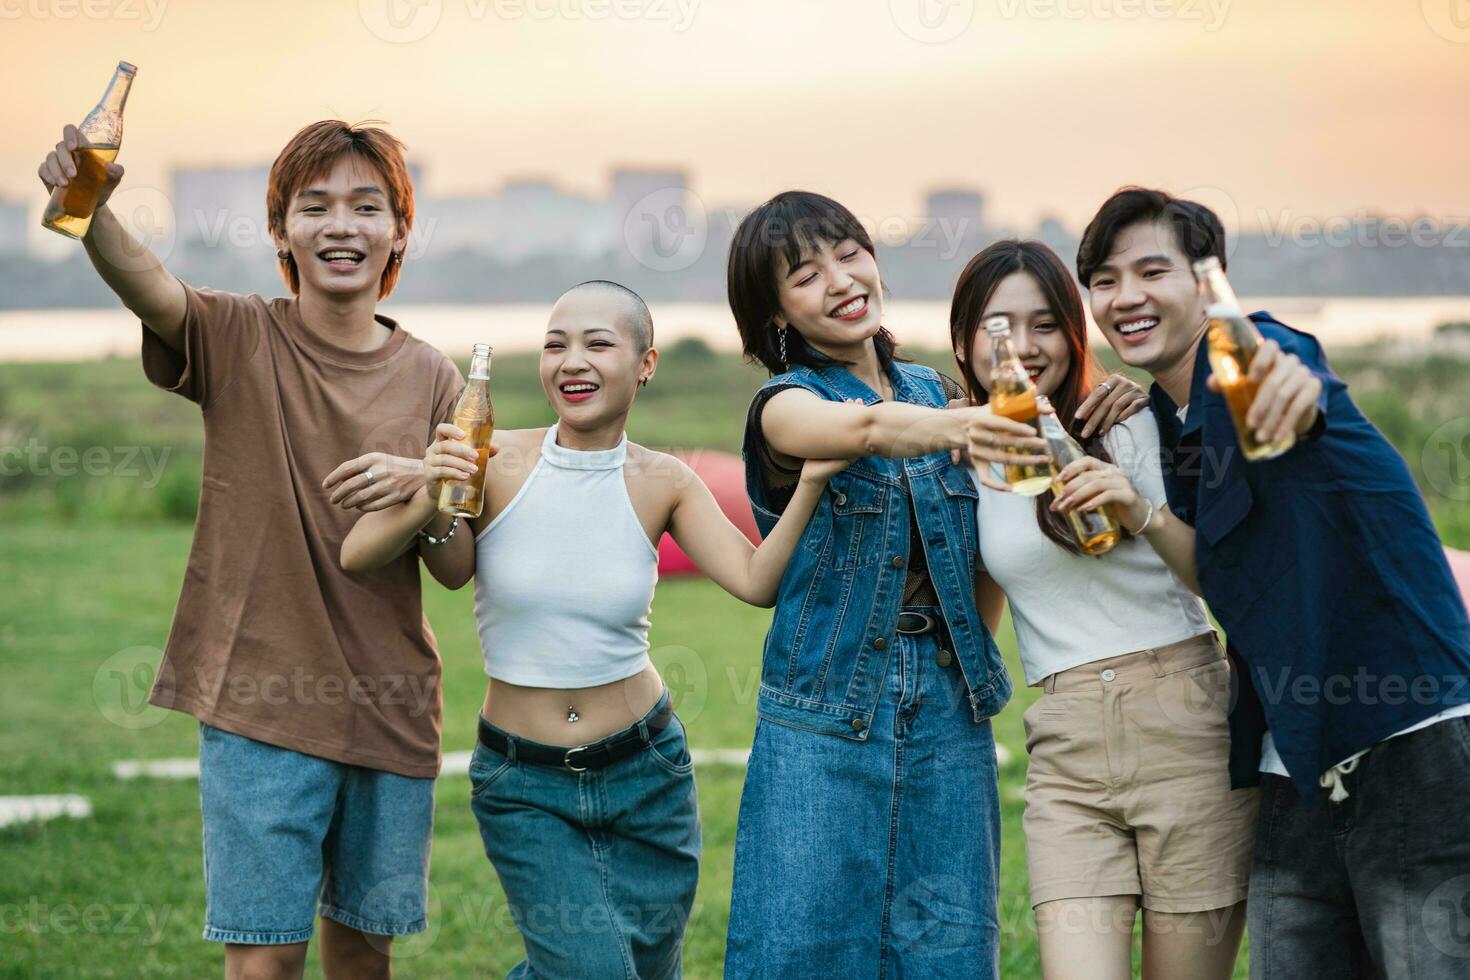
(476, 416)
(70, 209)
(1013, 396)
(1232, 340)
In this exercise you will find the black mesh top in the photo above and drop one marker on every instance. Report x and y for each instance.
(781, 481)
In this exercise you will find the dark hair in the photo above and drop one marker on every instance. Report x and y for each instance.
(784, 227)
(972, 294)
(1197, 229)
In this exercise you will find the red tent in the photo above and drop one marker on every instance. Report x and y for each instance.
(724, 474)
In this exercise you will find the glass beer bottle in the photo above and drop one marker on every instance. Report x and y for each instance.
(1013, 396)
(1233, 341)
(1096, 530)
(473, 414)
(70, 209)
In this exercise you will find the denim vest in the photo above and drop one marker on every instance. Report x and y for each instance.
(1325, 570)
(833, 629)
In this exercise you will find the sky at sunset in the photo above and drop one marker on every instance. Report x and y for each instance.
(1280, 108)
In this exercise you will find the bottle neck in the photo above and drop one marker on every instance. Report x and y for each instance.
(116, 96)
(1219, 296)
(480, 368)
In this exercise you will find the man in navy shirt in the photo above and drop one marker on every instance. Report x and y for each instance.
(1349, 637)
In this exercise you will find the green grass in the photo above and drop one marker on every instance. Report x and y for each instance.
(93, 565)
(121, 894)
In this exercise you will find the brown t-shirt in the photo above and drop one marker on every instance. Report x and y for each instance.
(271, 638)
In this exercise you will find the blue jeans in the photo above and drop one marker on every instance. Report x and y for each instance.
(288, 835)
(873, 858)
(599, 867)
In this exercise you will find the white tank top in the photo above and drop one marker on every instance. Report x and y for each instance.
(564, 575)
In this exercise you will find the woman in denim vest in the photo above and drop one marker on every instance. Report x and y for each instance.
(869, 830)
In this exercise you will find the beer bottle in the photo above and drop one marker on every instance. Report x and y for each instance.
(70, 209)
(473, 414)
(1233, 341)
(1096, 530)
(1013, 396)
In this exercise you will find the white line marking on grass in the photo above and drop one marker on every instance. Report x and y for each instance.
(36, 809)
(457, 763)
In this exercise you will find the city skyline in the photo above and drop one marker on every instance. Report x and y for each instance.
(1272, 115)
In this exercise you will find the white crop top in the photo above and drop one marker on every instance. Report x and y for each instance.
(1070, 609)
(564, 575)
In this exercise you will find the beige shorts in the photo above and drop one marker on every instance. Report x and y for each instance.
(1128, 787)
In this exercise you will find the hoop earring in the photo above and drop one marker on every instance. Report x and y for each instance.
(283, 254)
(643, 382)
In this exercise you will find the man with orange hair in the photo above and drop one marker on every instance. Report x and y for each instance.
(317, 691)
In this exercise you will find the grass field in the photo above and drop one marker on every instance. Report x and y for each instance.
(94, 559)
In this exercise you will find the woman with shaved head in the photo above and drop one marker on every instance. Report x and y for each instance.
(582, 781)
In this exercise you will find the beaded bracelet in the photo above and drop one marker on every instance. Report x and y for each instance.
(447, 534)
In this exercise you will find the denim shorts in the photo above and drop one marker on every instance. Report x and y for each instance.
(599, 867)
(289, 836)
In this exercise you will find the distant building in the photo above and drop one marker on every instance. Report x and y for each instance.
(960, 211)
(655, 220)
(15, 226)
(221, 208)
(525, 219)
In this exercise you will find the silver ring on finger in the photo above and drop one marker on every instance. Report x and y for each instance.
(1106, 386)
(369, 475)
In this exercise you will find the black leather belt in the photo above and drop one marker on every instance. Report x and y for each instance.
(578, 758)
(914, 623)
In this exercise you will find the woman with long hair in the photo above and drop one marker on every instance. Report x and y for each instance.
(1128, 799)
(869, 829)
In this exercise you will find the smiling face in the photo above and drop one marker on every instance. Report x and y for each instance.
(591, 361)
(1145, 300)
(832, 296)
(1036, 337)
(341, 230)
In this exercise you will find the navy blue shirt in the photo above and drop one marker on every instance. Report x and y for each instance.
(1344, 622)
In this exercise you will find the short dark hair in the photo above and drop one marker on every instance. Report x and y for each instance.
(635, 311)
(1197, 229)
(784, 227)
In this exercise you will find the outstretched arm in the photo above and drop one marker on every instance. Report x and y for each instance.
(798, 424)
(128, 267)
(749, 573)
